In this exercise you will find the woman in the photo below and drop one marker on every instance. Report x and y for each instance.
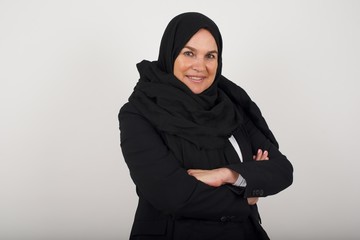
(197, 147)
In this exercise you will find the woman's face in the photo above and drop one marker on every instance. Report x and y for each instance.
(197, 62)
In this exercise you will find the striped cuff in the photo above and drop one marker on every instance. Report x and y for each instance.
(240, 182)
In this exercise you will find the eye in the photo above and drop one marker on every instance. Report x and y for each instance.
(189, 53)
(211, 56)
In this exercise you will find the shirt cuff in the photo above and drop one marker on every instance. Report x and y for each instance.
(240, 182)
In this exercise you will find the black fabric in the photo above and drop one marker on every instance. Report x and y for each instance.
(204, 120)
(166, 129)
(166, 191)
(240, 98)
(207, 119)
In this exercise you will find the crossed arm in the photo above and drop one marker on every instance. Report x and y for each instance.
(172, 190)
(220, 176)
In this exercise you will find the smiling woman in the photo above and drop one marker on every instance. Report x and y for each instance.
(198, 149)
(197, 62)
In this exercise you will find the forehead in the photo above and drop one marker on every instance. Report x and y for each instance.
(202, 39)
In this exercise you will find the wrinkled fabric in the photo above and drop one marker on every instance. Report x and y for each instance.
(172, 108)
(207, 119)
(196, 127)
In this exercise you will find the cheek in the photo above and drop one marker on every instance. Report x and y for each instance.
(180, 67)
(213, 68)
(184, 65)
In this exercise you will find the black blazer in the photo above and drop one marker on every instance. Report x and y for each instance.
(174, 205)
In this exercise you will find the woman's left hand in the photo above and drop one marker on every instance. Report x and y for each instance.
(215, 177)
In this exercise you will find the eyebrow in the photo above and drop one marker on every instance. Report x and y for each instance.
(193, 49)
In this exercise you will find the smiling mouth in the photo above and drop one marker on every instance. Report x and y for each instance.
(196, 79)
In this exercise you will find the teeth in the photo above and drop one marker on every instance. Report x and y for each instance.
(196, 78)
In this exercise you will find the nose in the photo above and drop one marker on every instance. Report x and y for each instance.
(199, 65)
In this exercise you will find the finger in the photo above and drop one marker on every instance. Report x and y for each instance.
(194, 172)
(265, 155)
(259, 154)
(253, 200)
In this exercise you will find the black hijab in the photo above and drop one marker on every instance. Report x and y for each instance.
(206, 120)
(179, 31)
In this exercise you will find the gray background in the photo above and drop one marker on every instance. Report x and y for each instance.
(66, 67)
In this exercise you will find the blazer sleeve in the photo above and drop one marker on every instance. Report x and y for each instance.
(267, 177)
(162, 182)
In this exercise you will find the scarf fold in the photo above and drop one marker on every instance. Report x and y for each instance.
(240, 98)
(205, 120)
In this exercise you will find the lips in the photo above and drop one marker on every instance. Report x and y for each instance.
(195, 79)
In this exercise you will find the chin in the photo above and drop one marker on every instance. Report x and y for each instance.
(197, 90)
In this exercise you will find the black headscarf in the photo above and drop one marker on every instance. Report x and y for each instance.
(205, 120)
(179, 31)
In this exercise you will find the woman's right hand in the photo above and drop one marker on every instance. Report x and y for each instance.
(260, 156)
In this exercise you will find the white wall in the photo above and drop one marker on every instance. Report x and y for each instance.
(66, 67)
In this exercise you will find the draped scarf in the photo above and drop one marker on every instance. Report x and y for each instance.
(204, 120)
